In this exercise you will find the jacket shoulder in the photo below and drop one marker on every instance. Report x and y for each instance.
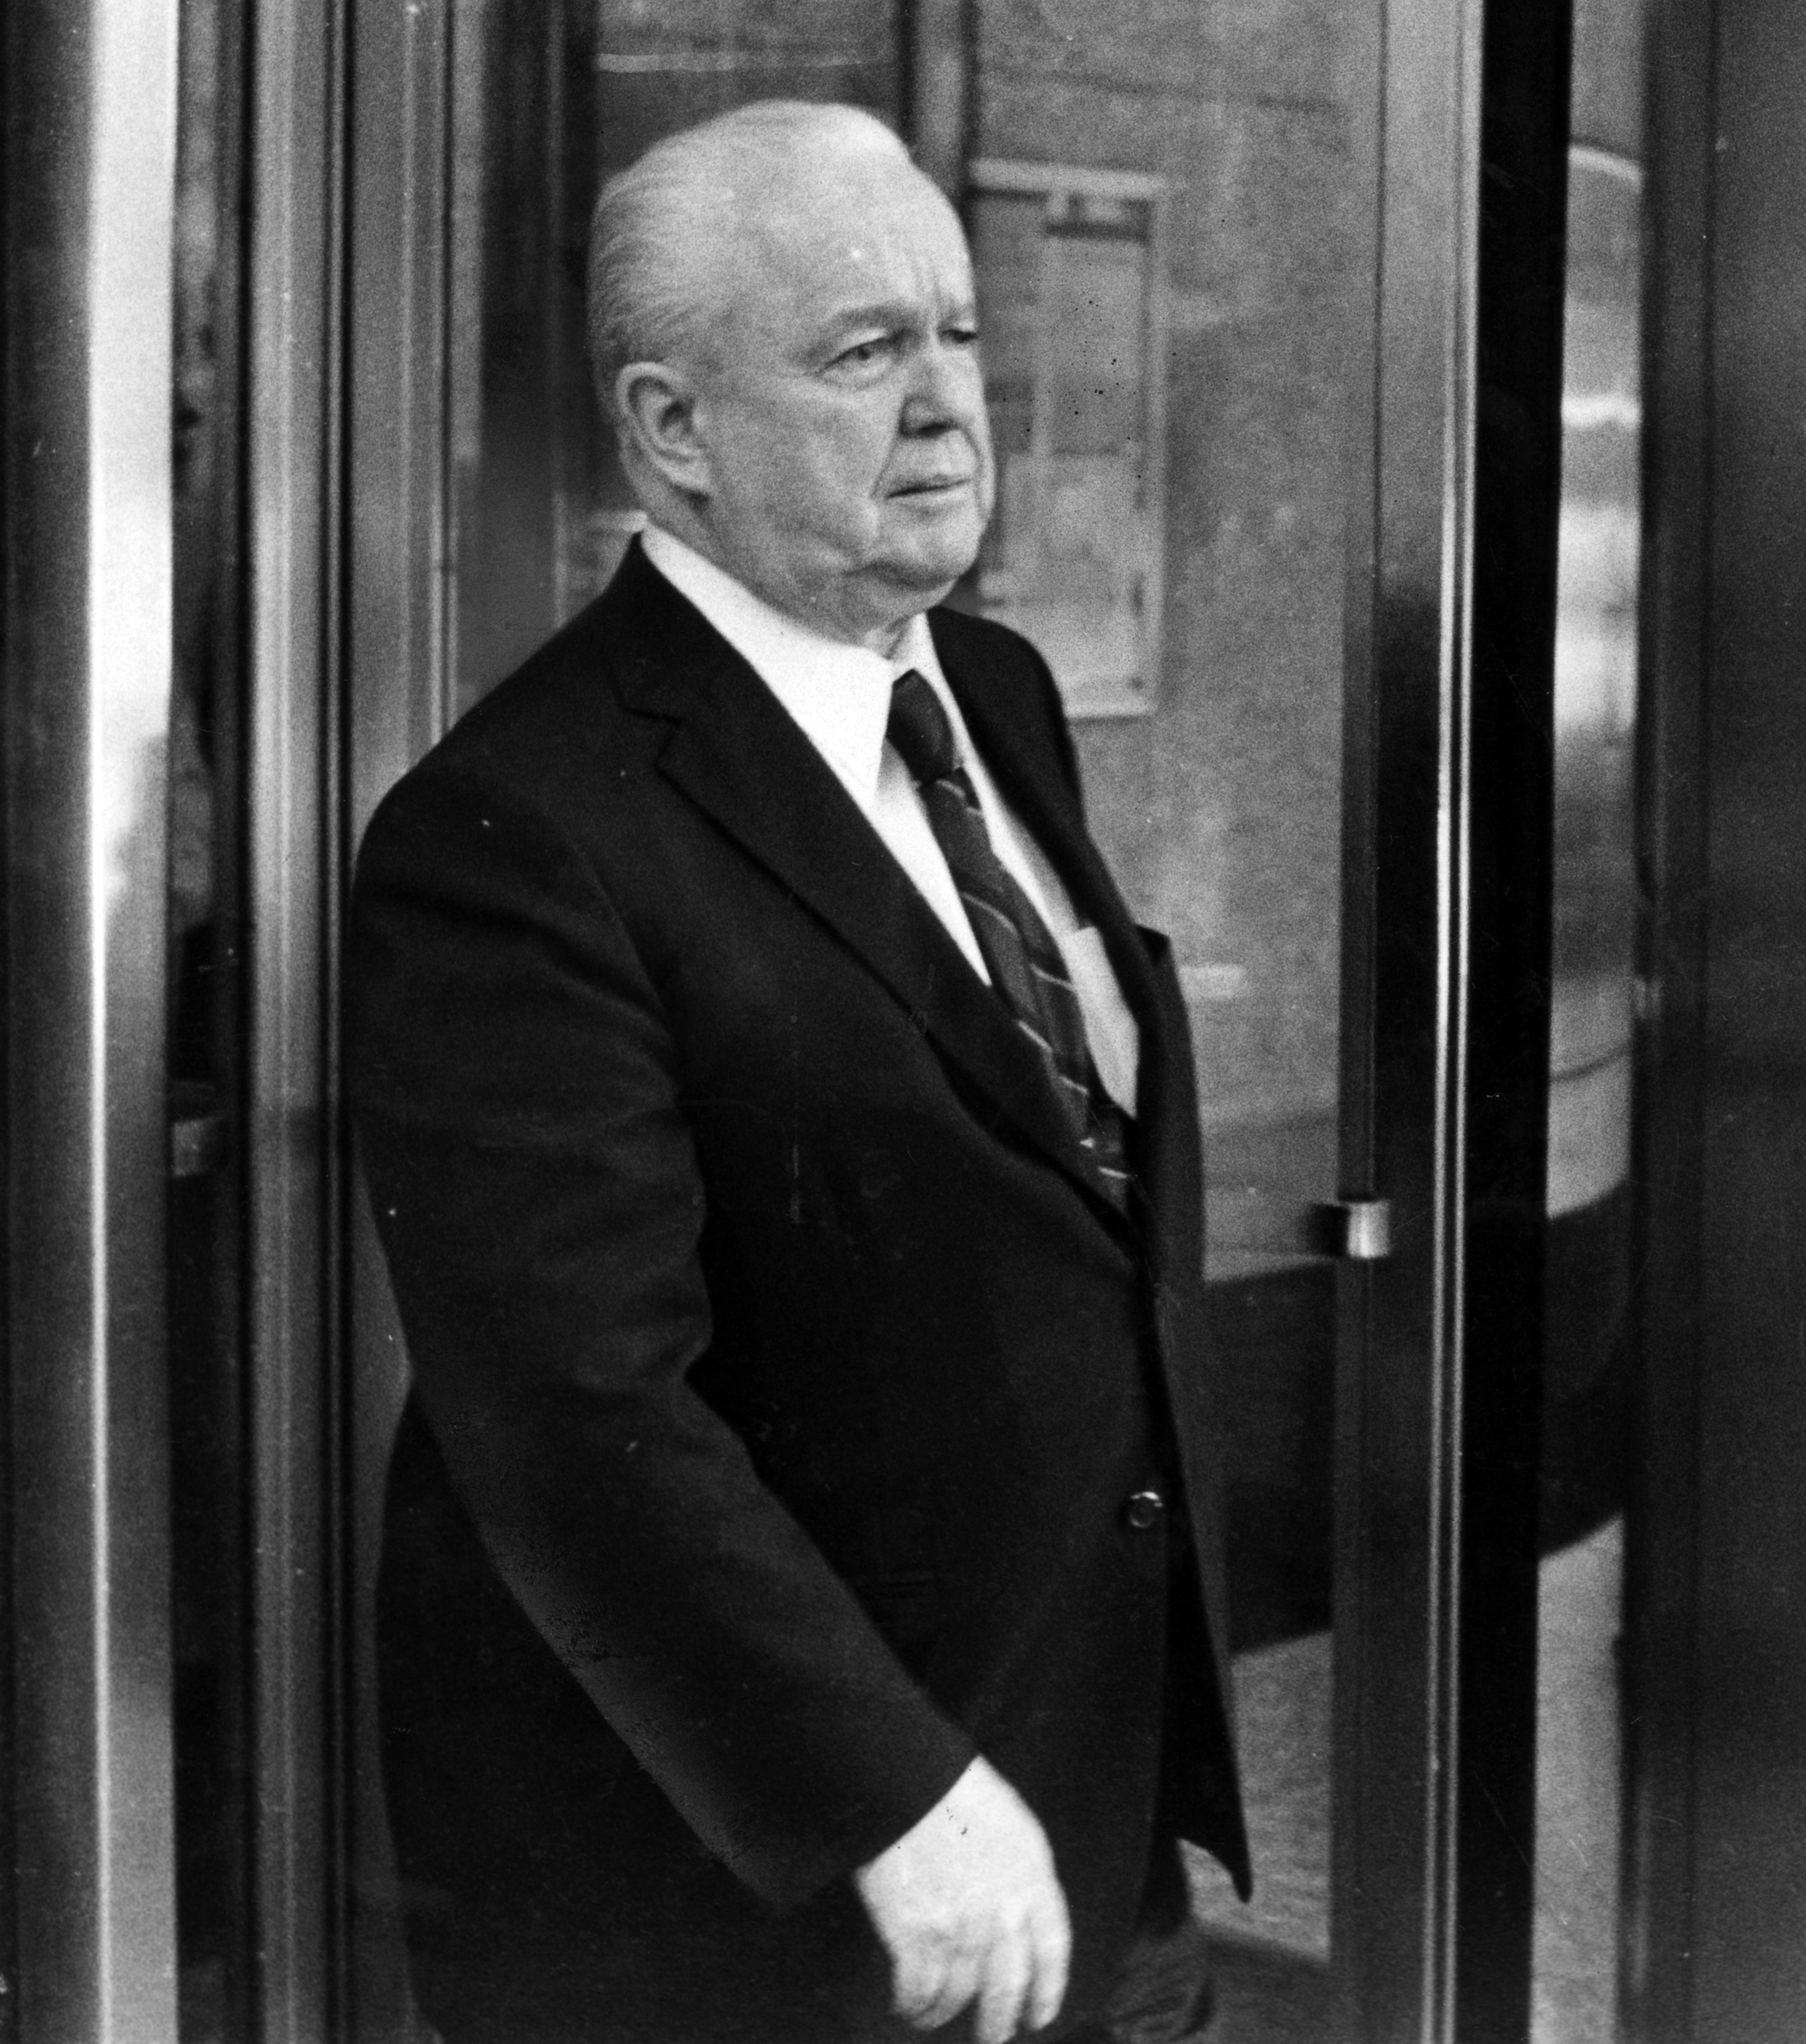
(547, 734)
(562, 692)
(986, 645)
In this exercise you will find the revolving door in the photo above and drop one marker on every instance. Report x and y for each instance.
(1337, 565)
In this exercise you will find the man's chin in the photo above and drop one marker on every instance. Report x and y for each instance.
(935, 561)
(921, 589)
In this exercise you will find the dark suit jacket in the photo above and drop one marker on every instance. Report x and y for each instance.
(780, 1379)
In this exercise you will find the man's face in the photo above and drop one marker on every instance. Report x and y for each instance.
(842, 405)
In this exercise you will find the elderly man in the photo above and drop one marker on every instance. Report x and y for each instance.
(800, 1609)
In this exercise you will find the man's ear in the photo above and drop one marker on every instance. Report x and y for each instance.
(658, 404)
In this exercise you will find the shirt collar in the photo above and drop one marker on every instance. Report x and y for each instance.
(839, 694)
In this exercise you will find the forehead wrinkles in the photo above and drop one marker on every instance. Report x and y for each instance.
(806, 257)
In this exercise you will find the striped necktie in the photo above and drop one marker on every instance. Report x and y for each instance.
(1024, 962)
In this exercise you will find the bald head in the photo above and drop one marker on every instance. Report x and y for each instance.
(671, 235)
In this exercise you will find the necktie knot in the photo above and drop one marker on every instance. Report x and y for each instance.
(920, 729)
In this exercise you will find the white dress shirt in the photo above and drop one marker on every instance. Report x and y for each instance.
(839, 695)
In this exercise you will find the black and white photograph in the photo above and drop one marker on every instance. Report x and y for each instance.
(905, 1022)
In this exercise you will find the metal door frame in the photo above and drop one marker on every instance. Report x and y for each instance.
(1450, 611)
(90, 190)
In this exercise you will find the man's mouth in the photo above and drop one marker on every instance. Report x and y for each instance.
(932, 485)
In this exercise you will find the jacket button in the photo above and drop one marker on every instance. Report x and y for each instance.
(1145, 1510)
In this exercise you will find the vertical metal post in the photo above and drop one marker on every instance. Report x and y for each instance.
(1519, 321)
(294, 373)
(1399, 1523)
(1450, 736)
(88, 244)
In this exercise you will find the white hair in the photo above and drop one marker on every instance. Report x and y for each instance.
(661, 228)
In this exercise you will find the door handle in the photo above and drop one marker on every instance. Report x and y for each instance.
(1358, 1230)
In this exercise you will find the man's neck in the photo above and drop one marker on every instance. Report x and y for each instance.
(883, 639)
(886, 641)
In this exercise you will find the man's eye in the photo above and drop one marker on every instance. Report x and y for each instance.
(963, 336)
(862, 354)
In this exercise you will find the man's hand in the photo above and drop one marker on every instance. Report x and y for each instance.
(969, 1906)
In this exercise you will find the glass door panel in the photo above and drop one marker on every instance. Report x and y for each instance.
(1261, 657)
(87, 232)
(1217, 795)
(1164, 316)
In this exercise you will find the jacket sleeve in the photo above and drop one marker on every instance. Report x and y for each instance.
(514, 1089)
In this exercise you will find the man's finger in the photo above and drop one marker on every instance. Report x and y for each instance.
(1050, 1933)
(959, 1982)
(919, 1976)
(1003, 1987)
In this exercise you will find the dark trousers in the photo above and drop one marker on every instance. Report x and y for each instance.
(1163, 1995)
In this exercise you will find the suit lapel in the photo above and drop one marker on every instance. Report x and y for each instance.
(739, 756)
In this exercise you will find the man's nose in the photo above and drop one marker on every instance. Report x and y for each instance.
(944, 390)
